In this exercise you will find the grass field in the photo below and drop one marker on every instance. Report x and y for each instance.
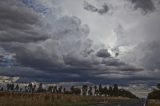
(153, 103)
(47, 99)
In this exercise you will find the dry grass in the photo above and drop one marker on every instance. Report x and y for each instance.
(47, 99)
(153, 103)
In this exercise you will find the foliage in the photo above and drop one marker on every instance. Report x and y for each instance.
(46, 99)
(85, 90)
(155, 94)
(158, 86)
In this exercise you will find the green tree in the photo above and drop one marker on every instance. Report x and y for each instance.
(30, 87)
(95, 90)
(110, 92)
(64, 90)
(84, 89)
(11, 87)
(50, 89)
(158, 86)
(105, 90)
(90, 91)
(100, 89)
(17, 87)
(72, 89)
(60, 89)
(40, 88)
(8, 87)
(115, 90)
(34, 88)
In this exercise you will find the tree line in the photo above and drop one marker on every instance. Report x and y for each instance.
(155, 94)
(84, 90)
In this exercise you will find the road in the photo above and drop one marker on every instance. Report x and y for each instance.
(124, 103)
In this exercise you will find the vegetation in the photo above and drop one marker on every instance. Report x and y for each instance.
(41, 99)
(153, 103)
(85, 90)
(154, 97)
(33, 95)
(155, 94)
(49, 99)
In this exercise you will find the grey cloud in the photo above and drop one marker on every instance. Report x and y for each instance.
(145, 5)
(113, 62)
(68, 27)
(150, 52)
(87, 52)
(104, 9)
(81, 61)
(92, 8)
(19, 24)
(62, 44)
(103, 53)
(32, 55)
(142, 43)
(130, 68)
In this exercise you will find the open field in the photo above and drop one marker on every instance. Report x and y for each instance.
(153, 103)
(47, 99)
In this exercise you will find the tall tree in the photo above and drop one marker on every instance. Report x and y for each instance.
(11, 87)
(60, 89)
(17, 88)
(115, 90)
(34, 88)
(95, 90)
(8, 87)
(72, 89)
(110, 91)
(64, 90)
(50, 89)
(100, 89)
(40, 88)
(30, 87)
(105, 91)
(90, 91)
(158, 86)
(84, 89)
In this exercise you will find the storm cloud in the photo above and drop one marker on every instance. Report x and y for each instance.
(145, 5)
(103, 53)
(89, 7)
(54, 44)
(19, 24)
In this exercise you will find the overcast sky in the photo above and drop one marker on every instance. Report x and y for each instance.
(97, 41)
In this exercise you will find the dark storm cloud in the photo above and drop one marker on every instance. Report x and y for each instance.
(18, 24)
(104, 9)
(145, 5)
(57, 46)
(89, 7)
(103, 53)
(36, 57)
(113, 62)
(129, 68)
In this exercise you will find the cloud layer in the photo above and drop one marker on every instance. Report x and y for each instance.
(51, 44)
